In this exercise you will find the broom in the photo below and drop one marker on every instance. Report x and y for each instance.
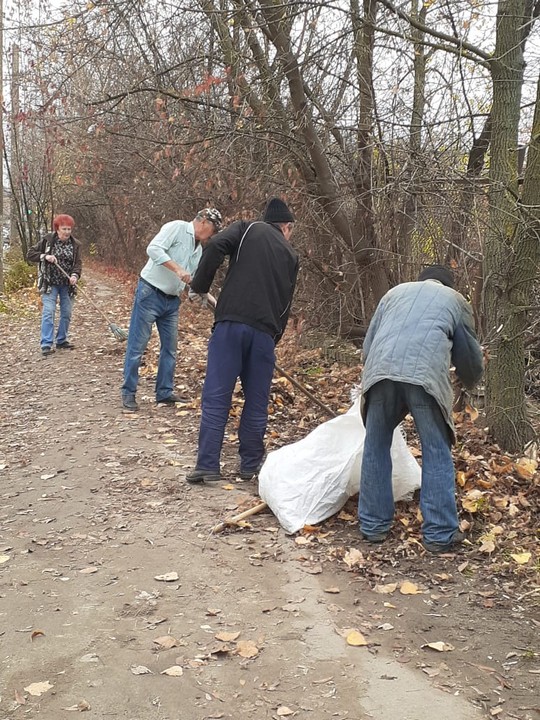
(117, 331)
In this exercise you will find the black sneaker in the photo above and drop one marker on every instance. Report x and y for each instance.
(248, 474)
(199, 476)
(47, 351)
(66, 345)
(438, 548)
(129, 404)
(172, 400)
(374, 539)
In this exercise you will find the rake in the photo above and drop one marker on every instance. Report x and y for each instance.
(117, 331)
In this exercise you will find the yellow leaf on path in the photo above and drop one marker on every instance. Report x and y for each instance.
(227, 636)
(38, 688)
(173, 671)
(440, 646)
(228, 487)
(521, 558)
(283, 711)
(170, 441)
(385, 589)
(409, 588)
(247, 649)
(356, 639)
(4, 559)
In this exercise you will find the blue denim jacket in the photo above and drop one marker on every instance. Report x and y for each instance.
(417, 332)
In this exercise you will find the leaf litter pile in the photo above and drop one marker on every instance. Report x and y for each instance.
(498, 495)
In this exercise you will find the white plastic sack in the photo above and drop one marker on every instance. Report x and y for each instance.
(310, 480)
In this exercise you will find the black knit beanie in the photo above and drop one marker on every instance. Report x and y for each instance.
(438, 272)
(277, 212)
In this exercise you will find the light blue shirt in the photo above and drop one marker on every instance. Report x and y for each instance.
(175, 241)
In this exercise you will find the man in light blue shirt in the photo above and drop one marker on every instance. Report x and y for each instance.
(173, 255)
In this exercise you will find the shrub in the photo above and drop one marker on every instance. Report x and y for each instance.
(19, 275)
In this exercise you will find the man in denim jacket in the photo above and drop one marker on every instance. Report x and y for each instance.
(417, 332)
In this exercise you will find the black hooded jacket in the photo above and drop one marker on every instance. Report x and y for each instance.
(260, 281)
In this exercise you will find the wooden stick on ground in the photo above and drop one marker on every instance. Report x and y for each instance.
(235, 519)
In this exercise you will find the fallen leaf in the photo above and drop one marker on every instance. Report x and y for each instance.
(439, 646)
(49, 476)
(88, 571)
(79, 707)
(521, 558)
(431, 672)
(228, 487)
(409, 588)
(356, 639)
(37, 633)
(166, 642)
(283, 711)
(385, 626)
(141, 670)
(246, 649)
(4, 559)
(38, 688)
(385, 589)
(332, 590)
(227, 636)
(353, 557)
(173, 671)
(89, 657)
(19, 699)
(167, 577)
(472, 412)
(525, 468)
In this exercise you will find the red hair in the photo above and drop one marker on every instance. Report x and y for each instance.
(62, 220)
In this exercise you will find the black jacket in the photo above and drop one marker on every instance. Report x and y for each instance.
(43, 247)
(260, 280)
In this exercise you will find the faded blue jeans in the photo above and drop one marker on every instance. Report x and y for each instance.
(236, 351)
(388, 402)
(151, 306)
(49, 300)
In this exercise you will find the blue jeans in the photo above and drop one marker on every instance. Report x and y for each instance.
(149, 307)
(236, 351)
(388, 403)
(49, 300)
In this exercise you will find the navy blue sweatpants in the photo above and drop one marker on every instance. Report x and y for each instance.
(236, 351)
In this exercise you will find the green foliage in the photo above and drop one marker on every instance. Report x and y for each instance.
(19, 275)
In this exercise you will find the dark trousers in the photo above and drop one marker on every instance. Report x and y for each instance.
(236, 351)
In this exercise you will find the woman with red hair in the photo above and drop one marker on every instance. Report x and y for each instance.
(60, 266)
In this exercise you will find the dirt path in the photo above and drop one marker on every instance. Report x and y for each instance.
(94, 509)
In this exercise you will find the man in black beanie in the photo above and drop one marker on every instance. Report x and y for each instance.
(250, 318)
(417, 332)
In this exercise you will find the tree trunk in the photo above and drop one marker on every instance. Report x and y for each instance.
(507, 271)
